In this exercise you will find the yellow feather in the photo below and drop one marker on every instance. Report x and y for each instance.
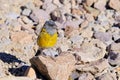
(45, 40)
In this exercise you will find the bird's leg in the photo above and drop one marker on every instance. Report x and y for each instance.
(39, 52)
(59, 50)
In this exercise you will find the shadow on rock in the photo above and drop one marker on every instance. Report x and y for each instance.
(18, 71)
(11, 59)
(8, 58)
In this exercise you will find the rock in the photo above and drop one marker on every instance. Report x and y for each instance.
(58, 68)
(98, 28)
(46, 1)
(102, 16)
(104, 20)
(50, 52)
(28, 28)
(95, 49)
(70, 31)
(103, 36)
(38, 3)
(73, 3)
(2, 69)
(67, 7)
(86, 76)
(4, 37)
(26, 20)
(57, 2)
(114, 4)
(75, 24)
(15, 25)
(14, 78)
(118, 72)
(21, 37)
(100, 4)
(76, 40)
(115, 31)
(26, 12)
(92, 11)
(87, 33)
(76, 11)
(84, 24)
(89, 2)
(79, 1)
(49, 7)
(12, 15)
(30, 72)
(56, 15)
(41, 15)
(64, 1)
(115, 47)
(74, 75)
(94, 67)
(63, 43)
(117, 17)
(30, 5)
(34, 17)
(114, 58)
(38, 29)
(108, 76)
(89, 17)
(61, 33)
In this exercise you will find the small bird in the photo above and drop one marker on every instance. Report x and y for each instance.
(48, 36)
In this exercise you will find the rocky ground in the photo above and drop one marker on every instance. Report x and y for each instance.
(89, 39)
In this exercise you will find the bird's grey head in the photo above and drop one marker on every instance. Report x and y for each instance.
(50, 26)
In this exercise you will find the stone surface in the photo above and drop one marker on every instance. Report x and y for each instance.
(21, 37)
(30, 72)
(26, 20)
(86, 76)
(95, 49)
(114, 58)
(115, 47)
(63, 44)
(50, 52)
(89, 17)
(92, 11)
(107, 76)
(100, 4)
(15, 78)
(55, 68)
(41, 15)
(103, 36)
(38, 3)
(94, 67)
(26, 12)
(49, 7)
(76, 40)
(74, 75)
(76, 11)
(88, 29)
(114, 4)
(84, 25)
(87, 33)
(89, 2)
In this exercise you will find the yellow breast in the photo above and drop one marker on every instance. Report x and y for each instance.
(45, 40)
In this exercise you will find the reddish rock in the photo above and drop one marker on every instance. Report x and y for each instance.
(115, 4)
(100, 4)
(58, 68)
(30, 72)
(21, 37)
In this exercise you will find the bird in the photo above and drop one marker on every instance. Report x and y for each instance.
(47, 37)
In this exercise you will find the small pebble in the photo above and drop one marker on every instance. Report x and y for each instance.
(26, 12)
